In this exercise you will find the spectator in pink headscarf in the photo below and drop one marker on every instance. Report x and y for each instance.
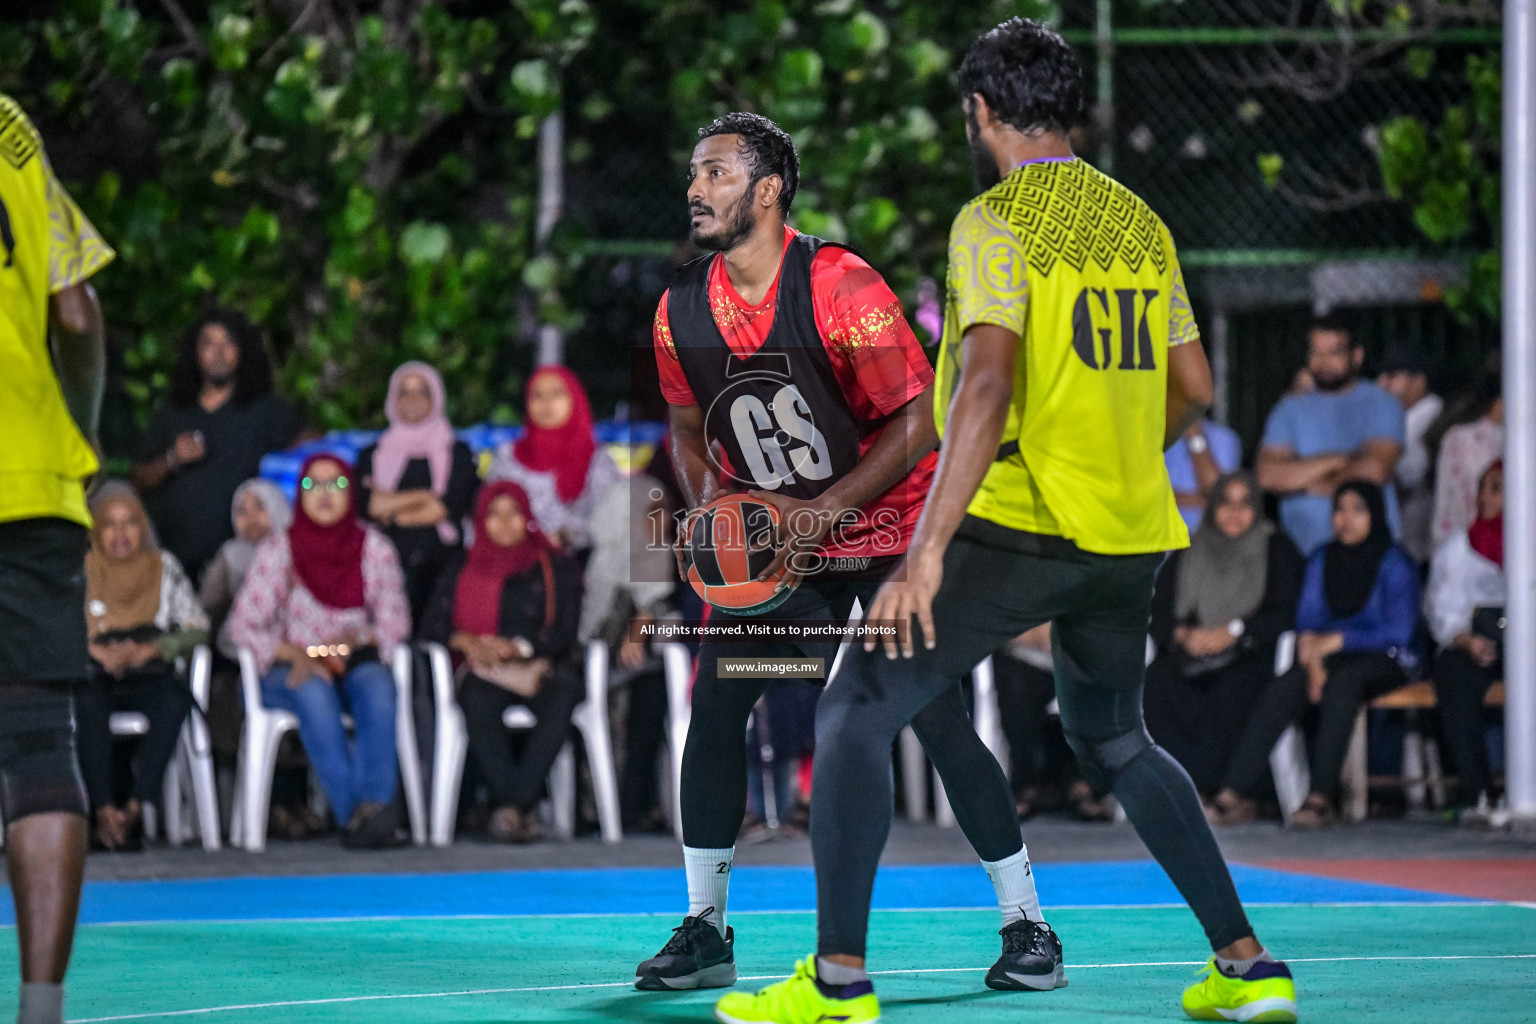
(419, 481)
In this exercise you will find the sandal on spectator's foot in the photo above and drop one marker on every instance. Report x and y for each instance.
(111, 830)
(283, 823)
(506, 825)
(532, 829)
(133, 828)
(373, 827)
(1316, 813)
(1084, 805)
(1230, 809)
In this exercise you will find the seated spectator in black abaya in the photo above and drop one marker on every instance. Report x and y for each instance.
(1217, 612)
(419, 481)
(1464, 604)
(1356, 626)
(509, 610)
(143, 615)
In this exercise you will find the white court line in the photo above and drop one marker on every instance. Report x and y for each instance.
(761, 977)
(391, 918)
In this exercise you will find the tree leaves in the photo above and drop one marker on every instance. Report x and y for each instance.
(1448, 174)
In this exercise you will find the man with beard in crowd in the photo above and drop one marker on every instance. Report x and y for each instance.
(1345, 429)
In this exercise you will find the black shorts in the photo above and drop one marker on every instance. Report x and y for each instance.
(42, 601)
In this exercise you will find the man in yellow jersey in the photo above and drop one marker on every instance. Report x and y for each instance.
(49, 402)
(1070, 362)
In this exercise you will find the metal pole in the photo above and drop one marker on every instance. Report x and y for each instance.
(551, 203)
(1519, 259)
(1219, 366)
(1104, 49)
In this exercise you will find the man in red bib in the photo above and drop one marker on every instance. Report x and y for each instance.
(790, 357)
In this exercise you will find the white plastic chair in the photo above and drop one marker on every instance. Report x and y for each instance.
(264, 729)
(192, 766)
(590, 718)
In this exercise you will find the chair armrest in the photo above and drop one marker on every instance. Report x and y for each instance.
(1285, 652)
(200, 675)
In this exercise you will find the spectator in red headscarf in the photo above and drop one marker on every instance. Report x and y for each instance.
(332, 582)
(508, 609)
(558, 461)
(1464, 606)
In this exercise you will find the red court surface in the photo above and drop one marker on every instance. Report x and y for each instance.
(1511, 881)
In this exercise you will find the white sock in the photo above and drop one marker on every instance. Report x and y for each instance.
(709, 879)
(1014, 883)
(41, 1004)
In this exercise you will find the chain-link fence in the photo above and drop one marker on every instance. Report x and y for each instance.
(1249, 125)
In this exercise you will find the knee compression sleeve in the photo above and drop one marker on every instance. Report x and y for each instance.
(39, 774)
(1102, 760)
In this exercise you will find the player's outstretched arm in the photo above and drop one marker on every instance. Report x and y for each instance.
(1190, 390)
(80, 353)
(978, 411)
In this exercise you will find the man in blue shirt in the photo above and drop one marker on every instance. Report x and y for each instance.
(1196, 461)
(1347, 429)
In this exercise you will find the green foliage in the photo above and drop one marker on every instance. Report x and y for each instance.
(365, 188)
(353, 186)
(865, 87)
(1448, 175)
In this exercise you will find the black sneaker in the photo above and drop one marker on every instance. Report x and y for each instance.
(695, 957)
(1031, 959)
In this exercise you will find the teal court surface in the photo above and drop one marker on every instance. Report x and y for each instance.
(561, 945)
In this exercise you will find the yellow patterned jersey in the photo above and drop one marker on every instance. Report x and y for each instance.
(1085, 274)
(46, 246)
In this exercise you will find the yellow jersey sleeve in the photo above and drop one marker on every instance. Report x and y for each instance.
(1182, 328)
(76, 249)
(988, 280)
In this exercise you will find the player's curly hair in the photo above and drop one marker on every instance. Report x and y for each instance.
(1028, 75)
(767, 147)
(253, 374)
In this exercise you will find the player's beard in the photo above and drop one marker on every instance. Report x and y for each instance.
(738, 226)
(983, 162)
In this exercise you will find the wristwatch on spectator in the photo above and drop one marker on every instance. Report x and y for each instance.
(1237, 627)
(1198, 445)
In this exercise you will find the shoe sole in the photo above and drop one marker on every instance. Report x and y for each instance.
(1007, 981)
(1275, 1010)
(725, 1018)
(718, 976)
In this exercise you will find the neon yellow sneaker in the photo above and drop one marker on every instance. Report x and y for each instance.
(798, 1000)
(1266, 995)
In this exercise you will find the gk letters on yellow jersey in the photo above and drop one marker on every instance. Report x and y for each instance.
(1086, 275)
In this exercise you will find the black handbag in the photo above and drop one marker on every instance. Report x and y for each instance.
(1490, 623)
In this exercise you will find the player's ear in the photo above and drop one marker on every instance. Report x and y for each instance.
(984, 116)
(768, 190)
